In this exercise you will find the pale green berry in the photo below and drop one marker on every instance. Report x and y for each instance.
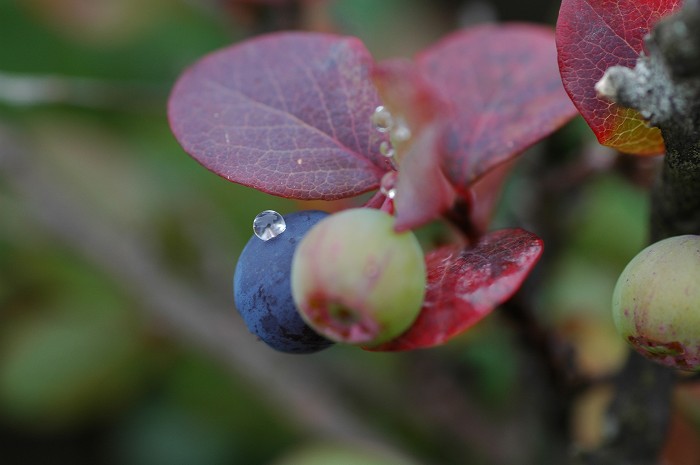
(656, 302)
(337, 454)
(356, 280)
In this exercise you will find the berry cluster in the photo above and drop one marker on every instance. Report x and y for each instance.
(310, 279)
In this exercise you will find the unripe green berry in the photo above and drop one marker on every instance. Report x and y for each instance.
(355, 280)
(656, 302)
(336, 454)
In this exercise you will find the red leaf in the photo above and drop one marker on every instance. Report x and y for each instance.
(465, 285)
(422, 191)
(504, 83)
(592, 36)
(287, 113)
(485, 194)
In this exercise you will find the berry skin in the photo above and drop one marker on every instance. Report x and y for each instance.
(656, 302)
(262, 289)
(338, 454)
(355, 280)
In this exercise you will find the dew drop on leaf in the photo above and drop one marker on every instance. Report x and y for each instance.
(386, 149)
(382, 119)
(268, 224)
(400, 132)
(388, 184)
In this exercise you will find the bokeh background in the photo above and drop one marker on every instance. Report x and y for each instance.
(119, 341)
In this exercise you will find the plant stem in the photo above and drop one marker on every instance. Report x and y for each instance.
(676, 196)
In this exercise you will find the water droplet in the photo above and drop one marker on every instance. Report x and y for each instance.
(388, 184)
(382, 119)
(386, 149)
(400, 132)
(268, 224)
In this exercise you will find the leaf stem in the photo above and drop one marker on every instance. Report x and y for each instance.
(460, 217)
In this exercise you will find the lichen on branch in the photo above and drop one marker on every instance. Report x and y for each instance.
(664, 87)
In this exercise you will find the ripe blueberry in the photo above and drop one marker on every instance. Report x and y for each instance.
(263, 293)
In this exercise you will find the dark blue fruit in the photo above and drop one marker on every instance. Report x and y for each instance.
(263, 293)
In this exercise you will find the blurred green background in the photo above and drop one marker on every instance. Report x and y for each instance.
(119, 343)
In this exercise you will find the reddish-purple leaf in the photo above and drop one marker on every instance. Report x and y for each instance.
(592, 36)
(485, 194)
(287, 113)
(465, 285)
(505, 86)
(422, 191)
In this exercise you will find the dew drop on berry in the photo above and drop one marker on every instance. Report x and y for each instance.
(388, 184)
(382, 119)
(268, 224)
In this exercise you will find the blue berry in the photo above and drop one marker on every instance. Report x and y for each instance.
(263, 293)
